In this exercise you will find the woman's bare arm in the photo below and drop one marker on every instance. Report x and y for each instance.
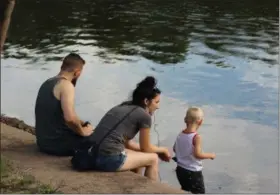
(132, 145)
(145, 144)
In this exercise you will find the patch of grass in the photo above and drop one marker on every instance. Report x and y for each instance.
(14, 182)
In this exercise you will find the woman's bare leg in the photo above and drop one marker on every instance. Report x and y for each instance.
(138, 170)
(135, 160)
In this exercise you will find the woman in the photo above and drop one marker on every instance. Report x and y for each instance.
(117, 151)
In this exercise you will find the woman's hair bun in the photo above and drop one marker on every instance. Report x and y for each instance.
(145, 90)
(149, 82)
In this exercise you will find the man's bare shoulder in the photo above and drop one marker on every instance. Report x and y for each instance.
(63, 87)
(65, 83)
(66, 86)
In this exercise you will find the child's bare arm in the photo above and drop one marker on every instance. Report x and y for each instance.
(197, 149)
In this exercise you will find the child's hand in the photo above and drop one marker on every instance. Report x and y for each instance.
(213, 156)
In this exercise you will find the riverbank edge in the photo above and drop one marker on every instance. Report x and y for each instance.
(21, 125)
(17, 123)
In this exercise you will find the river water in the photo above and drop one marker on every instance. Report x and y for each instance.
(220, 55)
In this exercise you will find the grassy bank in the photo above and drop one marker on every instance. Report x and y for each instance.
(16, 182)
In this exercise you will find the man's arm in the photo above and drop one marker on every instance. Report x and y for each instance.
(197, 149)
(86, 123)
(82, 122)
(67, 104)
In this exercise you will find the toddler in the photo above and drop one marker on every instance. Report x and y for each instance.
(189, 154)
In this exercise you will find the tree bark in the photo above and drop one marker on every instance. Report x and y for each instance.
(5, 20)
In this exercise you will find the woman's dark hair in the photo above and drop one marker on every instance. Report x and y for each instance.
(146, 89)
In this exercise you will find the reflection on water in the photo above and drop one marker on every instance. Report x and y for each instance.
(162, 31)
(222, 55)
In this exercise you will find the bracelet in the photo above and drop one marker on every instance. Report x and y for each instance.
(86, 124)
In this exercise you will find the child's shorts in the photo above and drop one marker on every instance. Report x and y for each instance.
(191, 181)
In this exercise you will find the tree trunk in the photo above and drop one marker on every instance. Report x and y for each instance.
(8, 7)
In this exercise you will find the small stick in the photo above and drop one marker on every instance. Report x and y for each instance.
(5, 21)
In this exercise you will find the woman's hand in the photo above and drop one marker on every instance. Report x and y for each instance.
(146, 146)
(165, 155)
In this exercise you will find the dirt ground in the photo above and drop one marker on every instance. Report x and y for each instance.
(13, 181)
(19, 147)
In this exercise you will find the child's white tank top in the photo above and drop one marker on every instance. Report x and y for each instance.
(184, 148)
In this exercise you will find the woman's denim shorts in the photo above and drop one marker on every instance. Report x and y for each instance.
(110, 163)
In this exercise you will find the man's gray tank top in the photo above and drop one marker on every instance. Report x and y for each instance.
(52, 133)
(114, 143)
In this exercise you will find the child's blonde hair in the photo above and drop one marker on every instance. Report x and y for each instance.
(194, 114)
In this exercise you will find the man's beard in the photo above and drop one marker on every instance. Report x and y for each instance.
(74, 81)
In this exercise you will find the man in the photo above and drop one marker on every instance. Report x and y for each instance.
(58, 129)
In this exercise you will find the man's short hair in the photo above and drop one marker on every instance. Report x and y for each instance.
(71, 62)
